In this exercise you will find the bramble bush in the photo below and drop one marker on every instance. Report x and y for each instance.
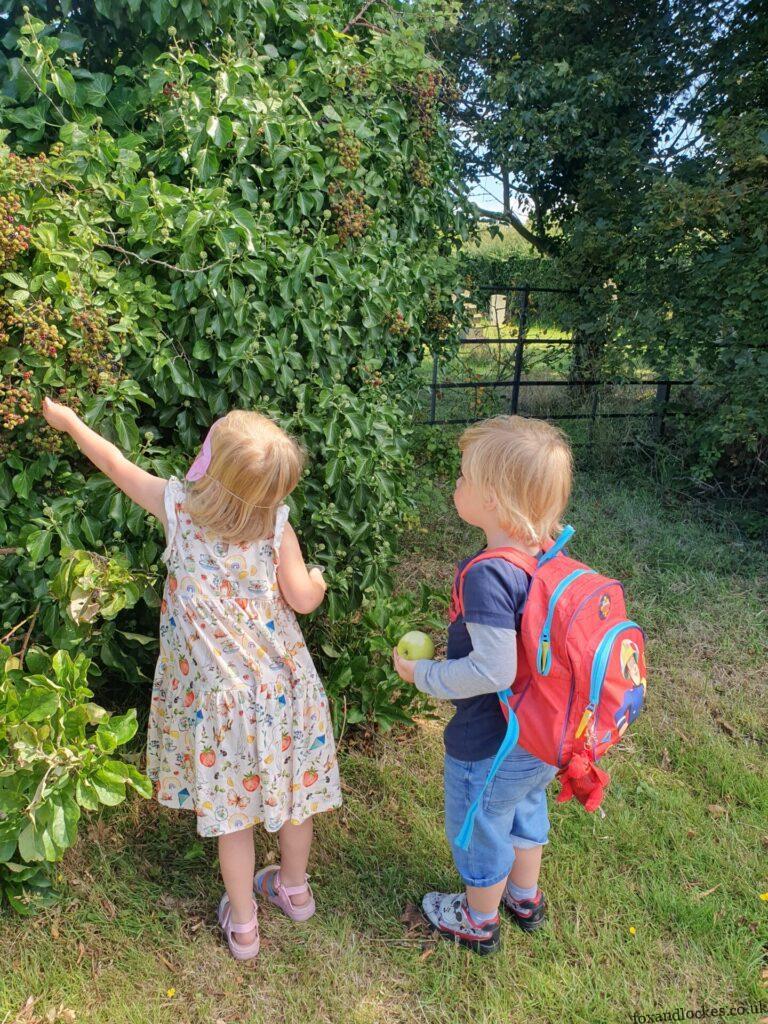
(248, 207)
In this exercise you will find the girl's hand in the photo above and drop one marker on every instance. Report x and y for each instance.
(59, 416)
(302, 586)
(403, 666)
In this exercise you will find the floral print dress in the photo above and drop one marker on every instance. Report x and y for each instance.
(239, 728)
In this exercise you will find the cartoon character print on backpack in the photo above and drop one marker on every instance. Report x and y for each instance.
(635, 695)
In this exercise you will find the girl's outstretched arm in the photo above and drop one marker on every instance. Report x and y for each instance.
(142, 487)
(303, 590)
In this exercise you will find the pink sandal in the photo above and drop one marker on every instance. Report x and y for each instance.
(267, 883)
(238, 950)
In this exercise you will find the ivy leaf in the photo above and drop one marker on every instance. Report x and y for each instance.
(127, 431)
(94, 91)
(219, 129)
(245, 220)
(206, 164)
(39, 544)
(64, 84)
(22, 484)
(70, 42)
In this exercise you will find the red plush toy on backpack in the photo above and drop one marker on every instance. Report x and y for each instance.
(580, 670)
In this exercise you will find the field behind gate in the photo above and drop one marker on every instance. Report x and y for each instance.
(516, 355)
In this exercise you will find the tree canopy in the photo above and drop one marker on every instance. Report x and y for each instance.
(634, 138)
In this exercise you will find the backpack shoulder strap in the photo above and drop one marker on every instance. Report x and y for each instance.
(514, 556)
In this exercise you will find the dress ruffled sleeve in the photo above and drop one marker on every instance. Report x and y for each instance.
(281, 518)
(173, 496)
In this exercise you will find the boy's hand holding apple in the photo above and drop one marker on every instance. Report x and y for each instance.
(413, 647)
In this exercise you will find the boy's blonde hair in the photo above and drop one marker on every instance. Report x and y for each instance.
(527, 466)
(254, 466)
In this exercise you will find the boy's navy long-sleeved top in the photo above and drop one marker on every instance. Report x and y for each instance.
(481, 658)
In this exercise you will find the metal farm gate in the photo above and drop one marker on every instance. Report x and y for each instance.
(517, 352)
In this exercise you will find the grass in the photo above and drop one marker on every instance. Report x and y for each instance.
(680, 856)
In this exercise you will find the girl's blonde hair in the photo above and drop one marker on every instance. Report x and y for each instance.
(527, 466)
(254, 466)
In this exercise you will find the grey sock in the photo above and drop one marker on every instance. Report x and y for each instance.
(519, 893)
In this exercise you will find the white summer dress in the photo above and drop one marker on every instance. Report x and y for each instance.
(239, 727)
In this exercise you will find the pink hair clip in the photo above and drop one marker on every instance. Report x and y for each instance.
(202, 462)
(199, 467)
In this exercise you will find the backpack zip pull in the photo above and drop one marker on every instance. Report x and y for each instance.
(589, 710)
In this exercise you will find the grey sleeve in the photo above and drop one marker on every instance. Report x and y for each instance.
(490, 666)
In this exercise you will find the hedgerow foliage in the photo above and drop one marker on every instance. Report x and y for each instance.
(248, 207)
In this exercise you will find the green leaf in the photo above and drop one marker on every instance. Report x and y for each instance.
(105, 738)
(65, 815)
(123, 727)
(109, 788)
(244, 219)
(94, 92)
(7, 849)
(130, 774)
(64, 84)
(16, 279)
(70, 41)
(86, 795)
(206, 164)
(31, 847)
(39, 544)
(22, 484)
(38, 703)
(220, 130)
(127, 431)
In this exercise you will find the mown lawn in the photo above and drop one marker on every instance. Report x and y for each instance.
(680, 856)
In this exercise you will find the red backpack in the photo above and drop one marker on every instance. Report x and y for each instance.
(580, 670)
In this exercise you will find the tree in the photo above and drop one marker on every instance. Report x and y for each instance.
(635, 138)
(567, 103)
(699, 250)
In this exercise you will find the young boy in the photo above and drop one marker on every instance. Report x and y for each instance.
(514, 485)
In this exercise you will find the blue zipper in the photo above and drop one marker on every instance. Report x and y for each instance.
(544, 652)
(600, 663)
(557, 547)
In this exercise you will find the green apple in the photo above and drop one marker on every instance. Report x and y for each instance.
(415, 645)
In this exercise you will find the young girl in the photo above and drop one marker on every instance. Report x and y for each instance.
(239, 728)
(514, 485)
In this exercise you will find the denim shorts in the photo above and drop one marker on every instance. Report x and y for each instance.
(513, 812)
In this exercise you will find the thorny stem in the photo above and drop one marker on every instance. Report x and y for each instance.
(18, 625)
(159, 263)
(359, 19)
(28, 635)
